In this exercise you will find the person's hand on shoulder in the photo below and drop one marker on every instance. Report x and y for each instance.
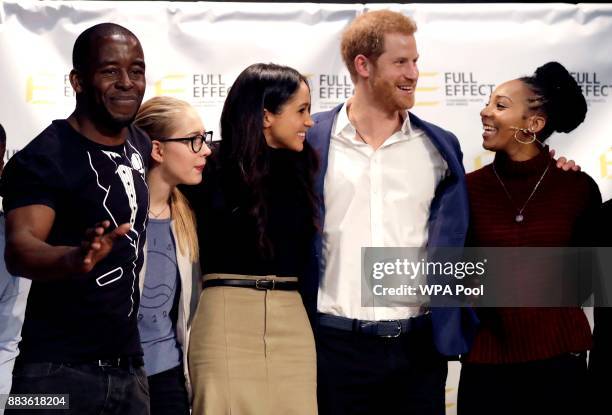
(565, 164)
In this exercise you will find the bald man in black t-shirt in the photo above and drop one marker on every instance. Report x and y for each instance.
(76, 205)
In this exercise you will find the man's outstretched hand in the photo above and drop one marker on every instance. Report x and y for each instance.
(96, 246)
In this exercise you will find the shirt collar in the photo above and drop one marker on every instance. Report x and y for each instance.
(344, 128)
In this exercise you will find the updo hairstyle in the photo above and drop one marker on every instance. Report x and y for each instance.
(558, 97)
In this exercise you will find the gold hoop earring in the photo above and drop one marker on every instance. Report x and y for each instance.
(525, 131)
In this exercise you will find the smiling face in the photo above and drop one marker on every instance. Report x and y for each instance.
(113, 83)
(176, 159)
(287, 129)
(506, 111)
(394, 75)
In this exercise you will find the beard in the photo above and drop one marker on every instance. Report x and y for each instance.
(387, 94)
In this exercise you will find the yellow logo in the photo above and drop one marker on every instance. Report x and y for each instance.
(428, 88)
(40, 88)
(171, 84)
(482, 159)
(605, 162)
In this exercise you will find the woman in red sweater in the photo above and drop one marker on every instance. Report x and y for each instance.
(528, 360)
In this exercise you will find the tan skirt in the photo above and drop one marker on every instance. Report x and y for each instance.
(252, 352)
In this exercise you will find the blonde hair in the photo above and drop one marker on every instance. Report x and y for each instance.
(159, 117)
(366, 35)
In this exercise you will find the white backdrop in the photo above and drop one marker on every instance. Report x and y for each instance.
(195, 50)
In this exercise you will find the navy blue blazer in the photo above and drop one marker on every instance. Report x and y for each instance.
(454, 328)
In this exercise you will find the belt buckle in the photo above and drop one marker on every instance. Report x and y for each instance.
(108, 362)
(260, 287)
(399, 329)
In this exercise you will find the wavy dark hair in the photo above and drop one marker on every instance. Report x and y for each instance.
(243, 153)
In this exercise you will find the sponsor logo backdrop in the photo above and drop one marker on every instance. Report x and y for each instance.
(194, 51)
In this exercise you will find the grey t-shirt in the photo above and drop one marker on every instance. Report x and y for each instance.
(156, 317)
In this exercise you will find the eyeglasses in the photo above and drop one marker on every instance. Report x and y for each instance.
(197, 141)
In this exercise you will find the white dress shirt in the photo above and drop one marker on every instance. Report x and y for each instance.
(373, 198)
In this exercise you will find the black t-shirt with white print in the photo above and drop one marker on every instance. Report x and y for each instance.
(90, 316)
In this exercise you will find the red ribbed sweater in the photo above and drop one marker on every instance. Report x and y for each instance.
(552, 218)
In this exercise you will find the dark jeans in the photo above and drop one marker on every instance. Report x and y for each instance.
(552, 386)
(168, 393)
(91, 389)
(361, 374)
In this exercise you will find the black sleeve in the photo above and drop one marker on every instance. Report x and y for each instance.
(586, 228)
(600, 360)
(586, 241)
(30, 179)
(605, 229)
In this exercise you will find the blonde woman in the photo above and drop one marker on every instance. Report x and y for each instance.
(167, 283)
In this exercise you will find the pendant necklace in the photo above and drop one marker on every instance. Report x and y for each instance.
(353, 124)
(519, 216)
(359, 134)
(160, 213)
(361, 137)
